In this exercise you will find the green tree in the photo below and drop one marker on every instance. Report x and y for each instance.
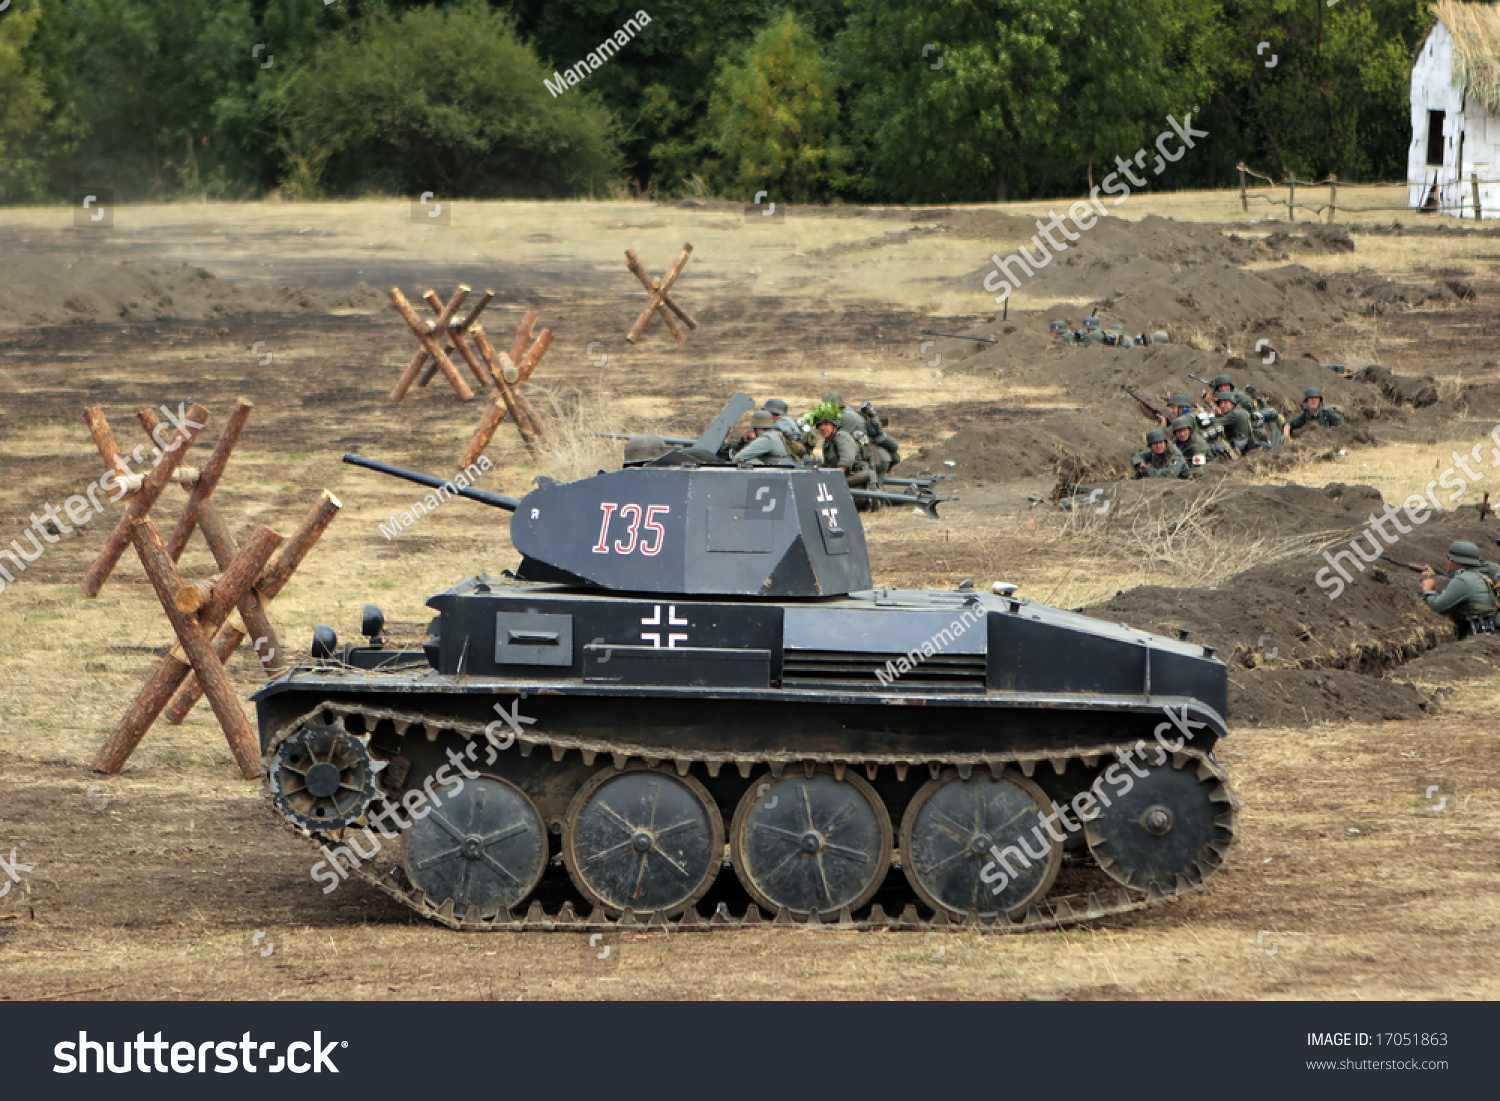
(445, 100)
(1337, 99)
(26, 110)
(144, 75)
(1028, 94)
(772, 113)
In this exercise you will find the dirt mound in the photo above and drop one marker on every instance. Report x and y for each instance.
(1295, 641)
(1416, 392)
(1471, 659)
(1314, 239)
(46, 290)
(1298, 697)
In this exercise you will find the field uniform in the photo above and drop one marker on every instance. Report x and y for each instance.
(1468, 599)
(1328, 418)
(1168, 464)
(1237, 429)
(768, 449)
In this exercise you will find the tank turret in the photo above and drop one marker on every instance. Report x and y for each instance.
(685, 530)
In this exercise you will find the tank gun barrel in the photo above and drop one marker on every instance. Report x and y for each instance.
(484, 497)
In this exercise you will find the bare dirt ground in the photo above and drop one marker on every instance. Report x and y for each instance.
(1352, 876)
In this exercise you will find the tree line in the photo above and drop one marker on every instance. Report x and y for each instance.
(879, 101)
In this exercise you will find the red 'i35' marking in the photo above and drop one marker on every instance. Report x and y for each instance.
(634, 530)
(602, 547)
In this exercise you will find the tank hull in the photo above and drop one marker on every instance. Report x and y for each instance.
(562, 706)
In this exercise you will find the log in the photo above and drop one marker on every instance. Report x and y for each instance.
(221, 543)
(527, 363)
(155, 481)
(659, 294)
(208, 479)
(194, 645)
(104, 439)
(651, 285)
(523, 336)
(494, 413)
(194, 595)
(276, 575)
(507, 395)
(456, 329)
(429, 368)
(431, 344)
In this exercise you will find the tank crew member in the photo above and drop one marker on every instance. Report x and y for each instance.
(1468, 599)
(885, 450)
(839, 448)
(1159, 460)
(767, 446)
(1235, 422)
(1191, 446)
(1313, 409)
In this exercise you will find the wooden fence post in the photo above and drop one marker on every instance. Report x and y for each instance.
(1333, 196)
(1474, 186)
(1244, 198)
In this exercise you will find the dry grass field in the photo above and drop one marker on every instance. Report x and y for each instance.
(168, 881)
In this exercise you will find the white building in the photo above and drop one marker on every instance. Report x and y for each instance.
(1455, 113)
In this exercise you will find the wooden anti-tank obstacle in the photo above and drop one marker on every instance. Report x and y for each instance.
(500, 375)
(198, 611)
(661, 301)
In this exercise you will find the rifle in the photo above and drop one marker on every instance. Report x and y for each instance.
(1150, 410)
(1205, 381)
(960, 336)
(1417, 566)
(1484, 508)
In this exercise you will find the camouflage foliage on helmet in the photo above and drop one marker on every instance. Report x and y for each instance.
(825, 410)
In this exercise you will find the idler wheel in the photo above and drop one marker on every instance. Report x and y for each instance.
(484, 846)
(811, 844)
(321, 777)
(643, 839)
(954, 829)
(1169, 831)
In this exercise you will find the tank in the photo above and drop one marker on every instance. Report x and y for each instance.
(689, 705)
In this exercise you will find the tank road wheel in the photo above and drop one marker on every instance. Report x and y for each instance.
(812, 844)
(1173, 825)
(485, 847)
(643, 839)
(321, 777)
(955, 828)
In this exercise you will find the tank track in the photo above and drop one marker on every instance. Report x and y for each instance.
(1054, 911)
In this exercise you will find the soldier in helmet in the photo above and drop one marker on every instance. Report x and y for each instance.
(885, 450)
(1234, 422)
(839, 449)
(1468, 599)
(1224, 384)
(1159, 460)
(1313, 409)
(790, 430)
(849, 420)
(1177, 405)
(1191, 446)
(767, 446)
(642, 449)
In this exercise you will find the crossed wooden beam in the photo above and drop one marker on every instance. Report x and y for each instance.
(661, 302)
(200, 611)
(499, 374)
